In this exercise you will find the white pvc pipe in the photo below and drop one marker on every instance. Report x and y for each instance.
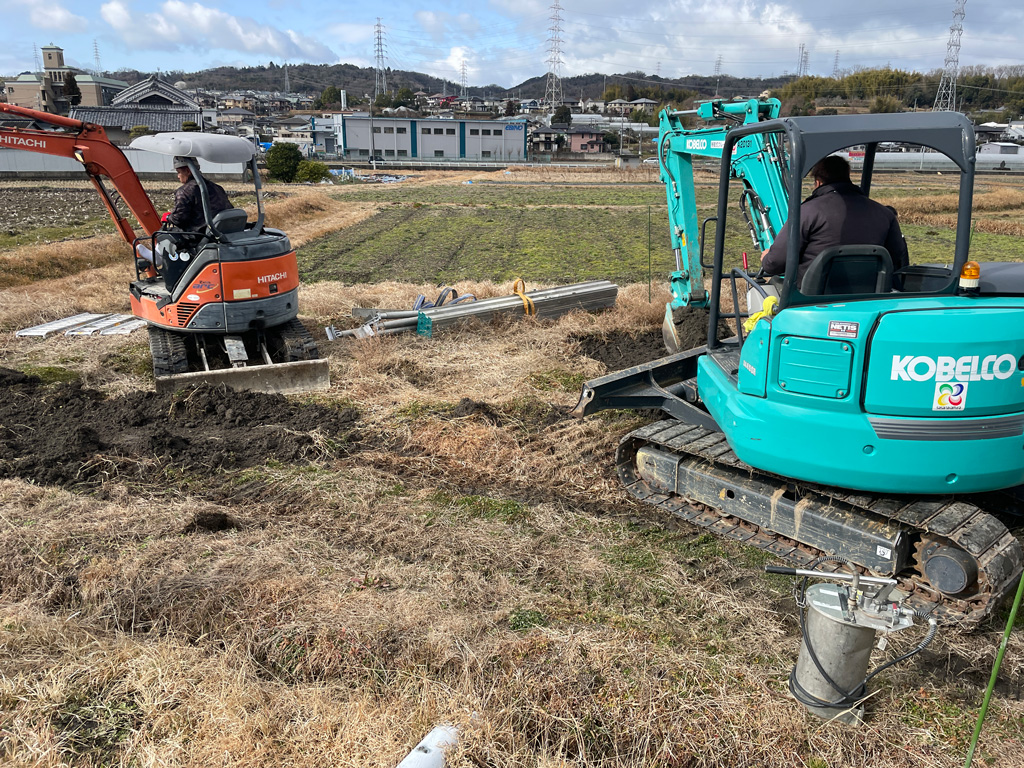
(429, 753)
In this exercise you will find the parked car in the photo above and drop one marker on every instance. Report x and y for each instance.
(650, 161)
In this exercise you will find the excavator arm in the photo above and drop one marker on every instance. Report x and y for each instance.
(88, 144)
(758, 161)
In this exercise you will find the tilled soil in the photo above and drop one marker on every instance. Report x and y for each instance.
(23, 208)
(72, 436)
(622, 350)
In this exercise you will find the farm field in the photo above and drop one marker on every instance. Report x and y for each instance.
(250, 580)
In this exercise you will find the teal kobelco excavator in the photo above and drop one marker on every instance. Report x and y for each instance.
(863, 411)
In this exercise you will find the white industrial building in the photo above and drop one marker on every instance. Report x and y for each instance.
(358, 137)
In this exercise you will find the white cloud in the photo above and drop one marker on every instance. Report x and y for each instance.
(351, 33)
(179, 25)
(46, 15)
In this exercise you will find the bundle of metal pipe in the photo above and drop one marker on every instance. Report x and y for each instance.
(553, 302)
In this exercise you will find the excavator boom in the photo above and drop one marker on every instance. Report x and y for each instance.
(88, 144)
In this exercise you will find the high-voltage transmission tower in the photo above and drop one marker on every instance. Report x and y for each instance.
(462, 80)
(945, 99)
(381, 84)
(96, 56)
(835, 67)
(718, 72)
(553, 89)
(801, 65)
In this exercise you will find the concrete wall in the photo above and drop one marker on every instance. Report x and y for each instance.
(19, 164)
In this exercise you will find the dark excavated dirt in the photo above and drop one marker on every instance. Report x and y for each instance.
(622, 350)
(69, 435)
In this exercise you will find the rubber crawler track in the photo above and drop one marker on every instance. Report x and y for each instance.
(997, 552)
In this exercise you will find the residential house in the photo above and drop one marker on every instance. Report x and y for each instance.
(152, 102)
(645, 105)
(295, 130)
(547, 139)
(619, 107)
(586, 140)
(232, 118)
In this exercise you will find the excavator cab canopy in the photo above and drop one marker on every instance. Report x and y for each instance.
(214, 148)
(808, 140)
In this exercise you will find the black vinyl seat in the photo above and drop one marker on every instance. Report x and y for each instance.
(230, 221)
(849, 269)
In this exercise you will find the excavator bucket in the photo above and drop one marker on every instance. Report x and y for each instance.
(281, 378)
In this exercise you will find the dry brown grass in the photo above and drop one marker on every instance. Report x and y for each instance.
(486, 573)
(555, 174)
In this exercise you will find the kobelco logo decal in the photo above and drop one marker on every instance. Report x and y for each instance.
(272, 278)
(21, 141)
(696, 143)
(967, 368)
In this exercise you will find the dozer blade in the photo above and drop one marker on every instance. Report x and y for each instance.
(282, 378)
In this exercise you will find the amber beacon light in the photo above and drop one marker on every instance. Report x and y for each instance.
(970, 275)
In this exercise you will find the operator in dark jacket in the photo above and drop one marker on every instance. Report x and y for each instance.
(187, 213)
(837, 213)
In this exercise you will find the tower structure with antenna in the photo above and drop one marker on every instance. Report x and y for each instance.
(553, 88)
(380, 85)
(945, 98)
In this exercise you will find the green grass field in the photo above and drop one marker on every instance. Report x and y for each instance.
(552, 233)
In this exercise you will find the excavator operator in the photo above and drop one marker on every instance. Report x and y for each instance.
(187, 214)
(837, 213)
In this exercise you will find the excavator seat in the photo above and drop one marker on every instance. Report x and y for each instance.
(849, 269)
(231, 221)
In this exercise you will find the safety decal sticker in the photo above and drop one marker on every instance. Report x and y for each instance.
(840, 329)
(950, 396)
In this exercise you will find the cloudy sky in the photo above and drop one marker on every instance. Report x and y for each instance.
(508, 41)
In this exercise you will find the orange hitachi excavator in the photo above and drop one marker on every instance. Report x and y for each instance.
(221, 301)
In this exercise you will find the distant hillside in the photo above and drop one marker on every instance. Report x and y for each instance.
(359, 82)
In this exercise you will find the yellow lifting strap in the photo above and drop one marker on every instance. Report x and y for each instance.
(768, 310)
(519, 289)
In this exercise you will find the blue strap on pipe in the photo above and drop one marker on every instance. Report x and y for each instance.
(448, 293)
